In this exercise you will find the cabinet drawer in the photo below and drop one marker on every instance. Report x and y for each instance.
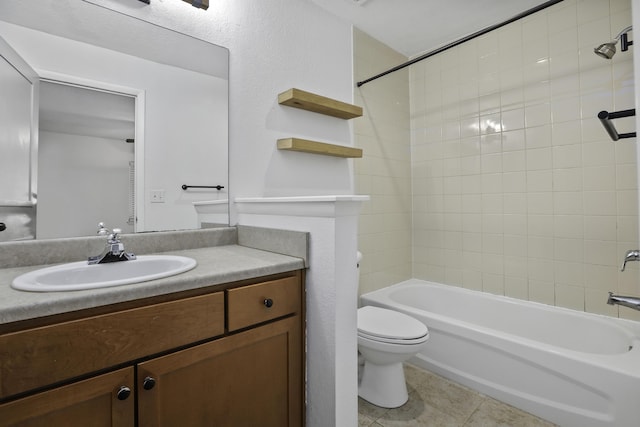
(37, 357)
(258, 303)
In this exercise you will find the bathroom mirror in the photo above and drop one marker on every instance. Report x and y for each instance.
(129, 114)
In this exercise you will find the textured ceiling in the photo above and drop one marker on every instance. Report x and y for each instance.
(413, 27)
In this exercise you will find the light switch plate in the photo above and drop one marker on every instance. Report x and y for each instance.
(157, 196)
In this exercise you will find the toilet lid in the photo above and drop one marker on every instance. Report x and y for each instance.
(385, 323)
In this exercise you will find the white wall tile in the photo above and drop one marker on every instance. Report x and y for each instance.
(567, 179)
(512, 119)
(515, 225)
(538, 136)
(568, 203)
(568, 273)
(540, 180)
(540, 158)
(569, 226)
(601, 227)
(514, 182)
(513, 140)
(537, 114)
(599, 178)
(566, 133)
(570, 297)
(571, 250)
(516, 287)
(516, 187)
(567, 156)
(515, 203)
(562, 19)
(542, 291)
(513, 161)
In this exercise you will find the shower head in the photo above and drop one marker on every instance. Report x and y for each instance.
(607, 50)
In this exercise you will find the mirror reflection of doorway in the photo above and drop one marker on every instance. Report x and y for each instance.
(18, 123)
(85, 160)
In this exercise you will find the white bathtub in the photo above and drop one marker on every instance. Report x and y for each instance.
(568, 367)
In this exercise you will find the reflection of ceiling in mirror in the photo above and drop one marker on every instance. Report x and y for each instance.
(152, 42)
(80, 111)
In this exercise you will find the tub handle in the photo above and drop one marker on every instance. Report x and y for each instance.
(632, 255)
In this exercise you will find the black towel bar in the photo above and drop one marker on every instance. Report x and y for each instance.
(217, 187)
(606, 117)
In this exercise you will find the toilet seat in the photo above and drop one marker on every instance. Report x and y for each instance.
(384, 325)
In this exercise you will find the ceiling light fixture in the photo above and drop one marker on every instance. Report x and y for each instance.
(358, 2)
(200, 4)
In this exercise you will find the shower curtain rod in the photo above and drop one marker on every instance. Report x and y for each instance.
(460, 41)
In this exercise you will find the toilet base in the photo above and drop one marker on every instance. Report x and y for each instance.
(383, 385)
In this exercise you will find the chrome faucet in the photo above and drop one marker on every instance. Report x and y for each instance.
(631, 302)
(114, 249)
(632, 255)
(102, 230)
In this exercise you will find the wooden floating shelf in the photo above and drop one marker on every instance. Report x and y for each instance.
(318, 104)
(314, 147)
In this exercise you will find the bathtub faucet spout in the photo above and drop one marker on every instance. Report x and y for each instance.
(631, 302)
(632, 255)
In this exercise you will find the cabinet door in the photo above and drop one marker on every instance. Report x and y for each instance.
(253, 378)
(96, 402)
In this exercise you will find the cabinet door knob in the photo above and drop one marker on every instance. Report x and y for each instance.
(3, 226)
(123, 392)
(268, 302)
(148, 383)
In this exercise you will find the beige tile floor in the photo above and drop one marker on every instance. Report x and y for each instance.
(437, 402)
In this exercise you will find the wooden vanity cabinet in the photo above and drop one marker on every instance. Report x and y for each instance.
(249, 373)
(247, 379)
(97, 401)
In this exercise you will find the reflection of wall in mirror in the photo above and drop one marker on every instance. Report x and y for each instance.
(84, 180)
(180, 130)
(15, 123)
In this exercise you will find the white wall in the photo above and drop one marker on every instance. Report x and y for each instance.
(332, 393)
(275, 45)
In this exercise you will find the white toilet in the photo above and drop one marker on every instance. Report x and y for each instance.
(386, 338)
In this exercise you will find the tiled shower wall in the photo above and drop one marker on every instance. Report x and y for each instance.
(384, 172)
(517, 188)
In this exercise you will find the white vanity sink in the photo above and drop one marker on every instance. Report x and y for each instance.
(81, 275)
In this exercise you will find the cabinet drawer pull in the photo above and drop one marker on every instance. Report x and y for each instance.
(148, 383)
(123, 393)
(268, 302)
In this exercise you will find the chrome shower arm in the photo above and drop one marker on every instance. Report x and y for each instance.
(626, 30)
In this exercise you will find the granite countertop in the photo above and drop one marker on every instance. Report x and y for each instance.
(216, 265)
